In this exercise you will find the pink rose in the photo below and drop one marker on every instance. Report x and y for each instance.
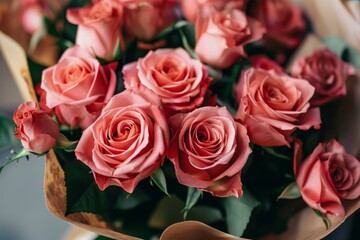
(99, 27)
(209, 149)
(190, 8)
(328, 175)
(326, 72)
(180, 81)
(37, 131)
(128, 142)
(78, 87)
(283, 21)
(222, 36)
(264, 62)
(144, 19)
(273, 105)
(31, 15)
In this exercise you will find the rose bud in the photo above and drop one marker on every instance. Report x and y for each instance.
(222, 36)
(209, 149)
(78, 87)
(273, 105)
(328, 175)
(128, 142)
(180, 81)
(99, 27)
(37, 131)
(285, 26)
(326, 72)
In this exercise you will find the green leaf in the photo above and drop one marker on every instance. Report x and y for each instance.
(272, 152)
(238, 212)
(129, 201)
(83, 195)
(167, 31)
(186, 44)
(193, 195)
(292, 191)
(7, 127)
(324, 217)
(159, 179)
(206, 214)
(21, 154)
(64, 143)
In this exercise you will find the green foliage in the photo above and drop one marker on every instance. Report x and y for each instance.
(324, 218)
(23, 153)
(83, 195)
(159, 179)
(193, 195)
(238, 212)
(7, 128)
(292, 191)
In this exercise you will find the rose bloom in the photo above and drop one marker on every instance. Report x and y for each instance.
(128, 142)
(99, 27)
(31, 15)
(190, 8)
(328, 175)
(326, 72)
(180, 81)
(222, 36)
(146, 18)
(283, 21)
(37, 131)
(264, 62)
(78, 87)
(209, 149)
(273, 105)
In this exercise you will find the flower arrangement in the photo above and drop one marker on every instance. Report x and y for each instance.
(155, 112)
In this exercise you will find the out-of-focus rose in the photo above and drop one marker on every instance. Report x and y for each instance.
(326, 72)
(78, 87)
(37, 131)
(146, 18)
(190, 8)
(273, 105)
(180, 81)
(99, 27)
(283, 21)
(264, 62)
(31, 14)
(222, 36)
(128, 142)
(328, 175)
(209, 149)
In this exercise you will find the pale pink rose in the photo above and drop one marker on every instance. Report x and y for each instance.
(78, 87)
(99, 27)
(264, 62)
(273, 105)
(326, 72)
(190, 8)
(144, 19)
(31, 15)
(180, 81)
(222, 36)
(284, 23)
(128, 142)
(326, 176)
(209, 149)
(37, 131)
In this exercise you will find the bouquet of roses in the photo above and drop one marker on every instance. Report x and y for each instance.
(156, 112)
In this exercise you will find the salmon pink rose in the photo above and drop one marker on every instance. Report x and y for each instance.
(326, 72)
(273, 105)
(37, 131)
(180, 81)
(209, 149)
(283, 21)
(78, 87)
(328, 175)
(99, 27)
(146, 18)
(190, 8)
(222, 36)
(128, 142)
